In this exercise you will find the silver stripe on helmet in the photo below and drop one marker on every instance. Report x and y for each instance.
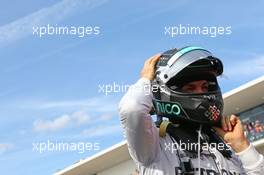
(179, 63)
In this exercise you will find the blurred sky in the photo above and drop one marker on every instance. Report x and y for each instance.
(50, 84)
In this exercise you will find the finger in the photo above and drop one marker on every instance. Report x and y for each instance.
(238, 123)
(219, 131)
(149, 60)
(223, 121)
(234, 119)
(154, 59)
(228, 123)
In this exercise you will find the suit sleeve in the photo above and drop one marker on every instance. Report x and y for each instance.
(139, 129)
(252, 161)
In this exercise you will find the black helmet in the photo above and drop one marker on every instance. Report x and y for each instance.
(179, 67)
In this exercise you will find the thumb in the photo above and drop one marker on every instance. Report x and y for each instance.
(220, 131)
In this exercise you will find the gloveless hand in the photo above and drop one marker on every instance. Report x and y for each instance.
(233, 133)
(148, 70)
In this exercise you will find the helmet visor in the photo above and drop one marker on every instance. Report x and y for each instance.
(199, 82)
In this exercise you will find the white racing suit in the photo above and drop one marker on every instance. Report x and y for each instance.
(155, 155)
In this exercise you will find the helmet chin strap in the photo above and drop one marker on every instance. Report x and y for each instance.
(199, 147)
